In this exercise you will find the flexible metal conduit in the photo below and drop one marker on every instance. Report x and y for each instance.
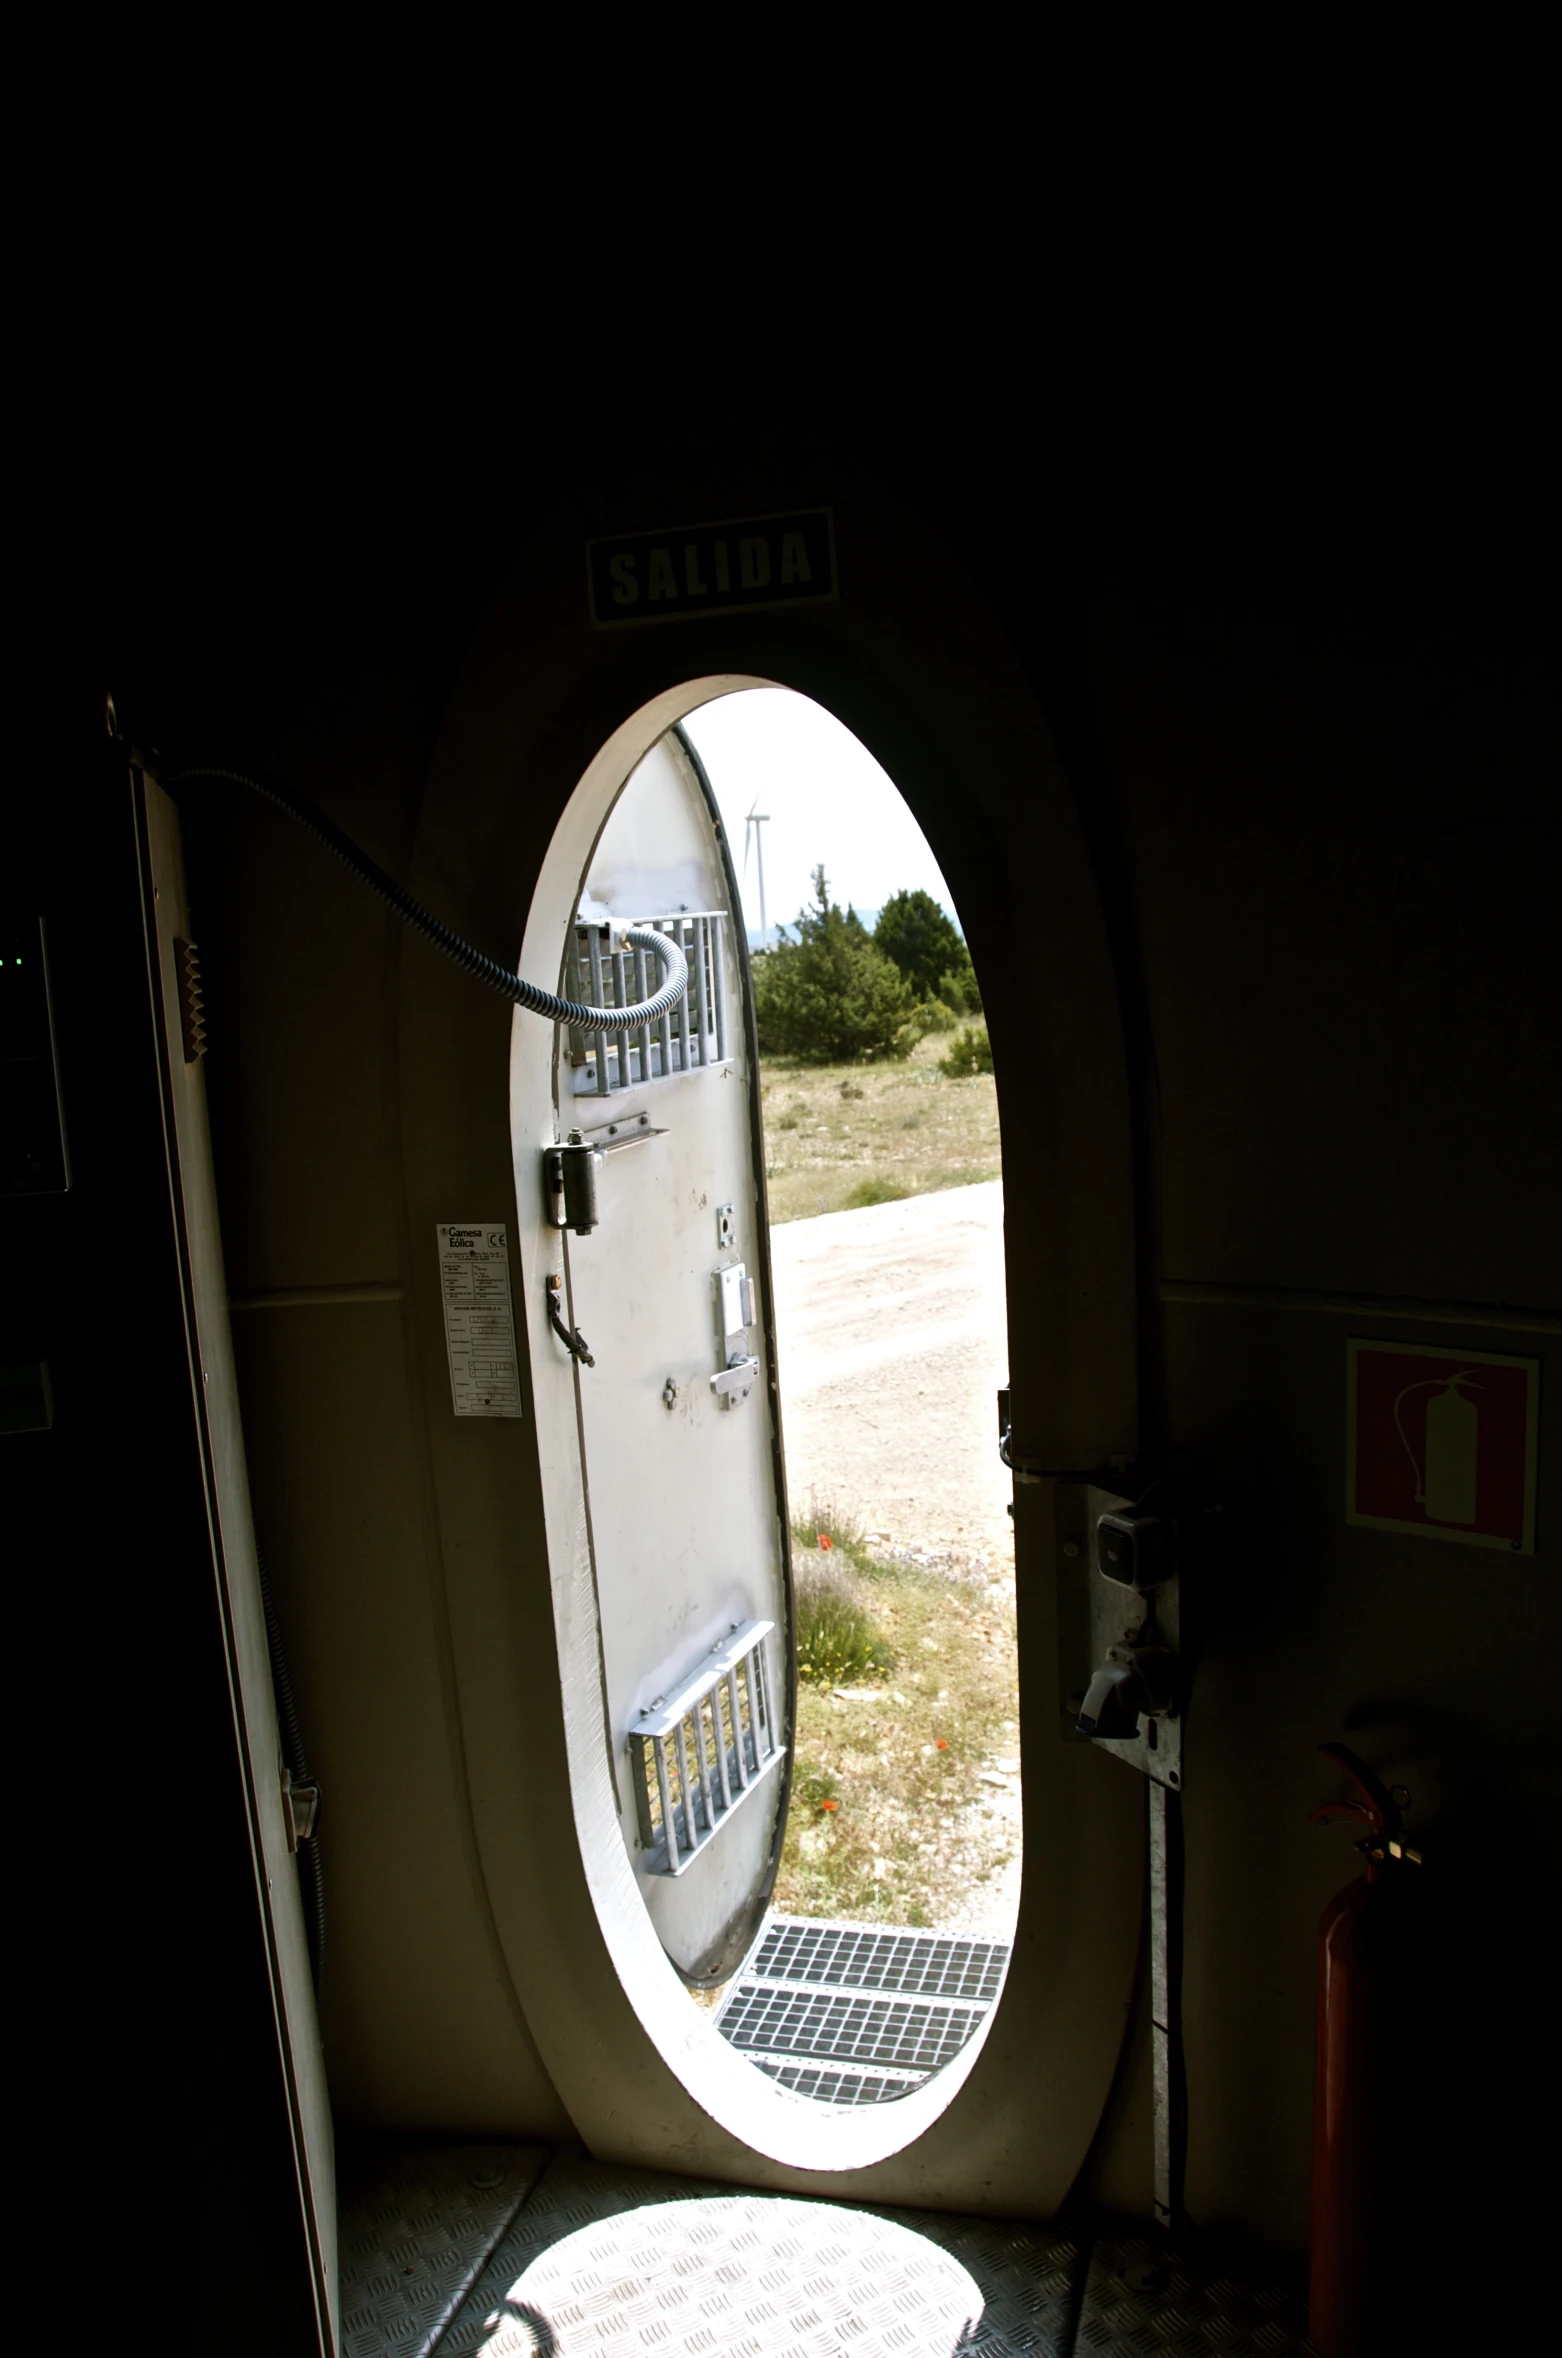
(675, 972)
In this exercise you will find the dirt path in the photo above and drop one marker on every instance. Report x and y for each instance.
(891, 1337)
(892, 1342)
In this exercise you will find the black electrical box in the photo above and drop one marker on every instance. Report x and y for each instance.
(1137, 1551)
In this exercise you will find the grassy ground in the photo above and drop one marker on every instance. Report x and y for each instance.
(905, 1782)
(840, 1135)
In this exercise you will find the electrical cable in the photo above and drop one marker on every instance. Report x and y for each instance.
(675, 972)
(574, 1344)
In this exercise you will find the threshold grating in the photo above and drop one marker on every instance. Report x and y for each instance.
(828, 2084)
(853, 2014)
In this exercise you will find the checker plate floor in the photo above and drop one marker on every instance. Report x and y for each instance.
(416, 2224)
(616, 2262)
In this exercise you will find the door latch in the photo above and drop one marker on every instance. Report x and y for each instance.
(736, 1378)
(300, 1808)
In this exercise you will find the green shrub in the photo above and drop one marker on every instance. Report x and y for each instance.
(837, 1639)
(813, 1787)
(830, 1528)
(872, 1191)
(970, 1052)
(830, 997)
(958, 992)
(933, 1015)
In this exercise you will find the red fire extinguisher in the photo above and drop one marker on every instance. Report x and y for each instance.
(1357, 2128)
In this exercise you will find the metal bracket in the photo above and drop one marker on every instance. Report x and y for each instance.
(300, 1808)
(627, 1130)
(1137, 1629)
(1134, 1633)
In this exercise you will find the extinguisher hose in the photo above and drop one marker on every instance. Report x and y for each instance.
(472, 961)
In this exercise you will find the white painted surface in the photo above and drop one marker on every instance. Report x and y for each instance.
(685, 1530)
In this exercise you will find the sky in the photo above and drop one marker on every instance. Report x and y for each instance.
(827, 798)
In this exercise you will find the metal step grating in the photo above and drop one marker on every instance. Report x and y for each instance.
(849, 1956)
(852, 2014)
(847, 2026)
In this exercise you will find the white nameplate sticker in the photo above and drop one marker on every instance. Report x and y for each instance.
(474, 1284)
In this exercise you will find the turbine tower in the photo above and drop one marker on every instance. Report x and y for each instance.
(751, 827)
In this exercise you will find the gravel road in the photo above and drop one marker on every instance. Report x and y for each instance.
(892, 1341)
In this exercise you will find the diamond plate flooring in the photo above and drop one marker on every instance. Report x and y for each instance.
(623, 2263)
(416, 2225)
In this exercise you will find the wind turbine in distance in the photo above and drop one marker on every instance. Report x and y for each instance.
(751, 827)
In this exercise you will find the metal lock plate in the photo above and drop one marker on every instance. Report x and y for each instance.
(1103, 1620)
(737, 1300)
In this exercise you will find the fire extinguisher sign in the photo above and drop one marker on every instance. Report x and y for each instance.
(1442, 1443)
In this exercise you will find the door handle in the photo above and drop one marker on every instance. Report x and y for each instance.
(736, 1380)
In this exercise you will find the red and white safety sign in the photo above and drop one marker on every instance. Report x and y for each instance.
(1442, 1443)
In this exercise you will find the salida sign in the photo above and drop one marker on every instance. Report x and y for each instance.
(707, 568)
(1442, 1443)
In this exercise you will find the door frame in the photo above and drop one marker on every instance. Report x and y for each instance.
(546, 723)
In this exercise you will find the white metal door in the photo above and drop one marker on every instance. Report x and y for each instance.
(176, 1011)
(678, 1419)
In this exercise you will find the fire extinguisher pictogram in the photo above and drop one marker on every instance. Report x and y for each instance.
(1446, 1469)
(1363, 1959)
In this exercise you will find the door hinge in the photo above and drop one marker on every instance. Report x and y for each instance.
(569, 1171)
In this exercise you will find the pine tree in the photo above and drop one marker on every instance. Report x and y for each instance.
(830, 995)
(922, 941)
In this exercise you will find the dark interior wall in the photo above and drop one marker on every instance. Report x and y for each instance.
(1302, 698)
(1320, 705)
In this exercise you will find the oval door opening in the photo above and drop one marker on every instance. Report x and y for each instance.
(808, 1710)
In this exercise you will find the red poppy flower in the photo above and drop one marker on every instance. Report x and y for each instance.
(942, 1746)
(829, 1805)
(825, 1540)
